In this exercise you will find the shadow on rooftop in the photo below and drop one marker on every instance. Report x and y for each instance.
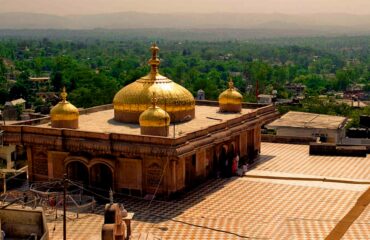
(159, 211)
(130, 125)
(262, 159)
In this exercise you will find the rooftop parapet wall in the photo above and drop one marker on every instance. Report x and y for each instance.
(287, 139)
(96, 109)
(215, 103)
(45, 119)
(36, 121)
(108, 143)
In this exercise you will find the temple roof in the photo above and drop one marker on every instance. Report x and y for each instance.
(102, 121)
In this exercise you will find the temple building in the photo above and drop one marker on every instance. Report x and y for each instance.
(154, 138)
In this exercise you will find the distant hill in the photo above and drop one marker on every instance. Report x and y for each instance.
(341, 23)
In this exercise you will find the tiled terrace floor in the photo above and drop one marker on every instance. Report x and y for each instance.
(294, 159)
(249, 208)
(236, 208)
(246, 208)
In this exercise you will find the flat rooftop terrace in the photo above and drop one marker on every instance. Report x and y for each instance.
(249, 208)
(103, 122)
(308, 120)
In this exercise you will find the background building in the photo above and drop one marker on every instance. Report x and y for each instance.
(301, 124)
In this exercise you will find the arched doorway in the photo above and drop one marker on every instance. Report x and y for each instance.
(77, 171)
(223, 161)
(230, 158)
(101, 177)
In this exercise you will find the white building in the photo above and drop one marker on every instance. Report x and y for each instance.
(301, 124)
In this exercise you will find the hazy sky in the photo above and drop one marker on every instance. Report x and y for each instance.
(65, 7)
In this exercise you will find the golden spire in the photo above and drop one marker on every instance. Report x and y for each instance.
(154, 61)
(154, 101)
(64, 95)
(231, 84)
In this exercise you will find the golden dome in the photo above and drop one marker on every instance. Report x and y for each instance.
(230, 96)
(154, 116)
(135, 98)
(64, 111)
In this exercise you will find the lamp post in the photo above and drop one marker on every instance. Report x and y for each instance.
(186, 118)
(65, 183)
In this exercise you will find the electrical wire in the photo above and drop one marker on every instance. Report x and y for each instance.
(177, 204)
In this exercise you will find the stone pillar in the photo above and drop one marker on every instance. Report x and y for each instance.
(251, 144)
(56, 167)
(180, 174)
(243, 144)
(257, 140)
(39, 163)
(30, 171)
(200, 163)
(173, 175)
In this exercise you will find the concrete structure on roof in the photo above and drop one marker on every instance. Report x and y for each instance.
(39, 79)
(265, 99)
(106, 152)
(23, 224)
(301, 124)
(201, 95)
(297, 89)
(40, 84)
(7, 153)
(11, 112)
(19, 101)
(355, 91)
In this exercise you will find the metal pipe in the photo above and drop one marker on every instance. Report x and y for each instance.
(64, 207)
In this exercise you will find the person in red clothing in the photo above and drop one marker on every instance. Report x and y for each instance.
(235, 164)
(52, 201)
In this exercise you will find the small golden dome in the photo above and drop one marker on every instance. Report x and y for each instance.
(230, 96)
(135, 98)
(64, 111)
(230, 100)
(154, 116)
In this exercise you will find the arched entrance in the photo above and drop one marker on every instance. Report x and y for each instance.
(230, 158)
(101, 177)
(223, 161)
(78, 171)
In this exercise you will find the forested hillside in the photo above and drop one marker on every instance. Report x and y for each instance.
(93, 69)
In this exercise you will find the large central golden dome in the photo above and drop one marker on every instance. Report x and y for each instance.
(135, 98)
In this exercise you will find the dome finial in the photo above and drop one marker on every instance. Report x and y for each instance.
(154, 100)
(64, 95)
(154, 61)
(231, 84)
